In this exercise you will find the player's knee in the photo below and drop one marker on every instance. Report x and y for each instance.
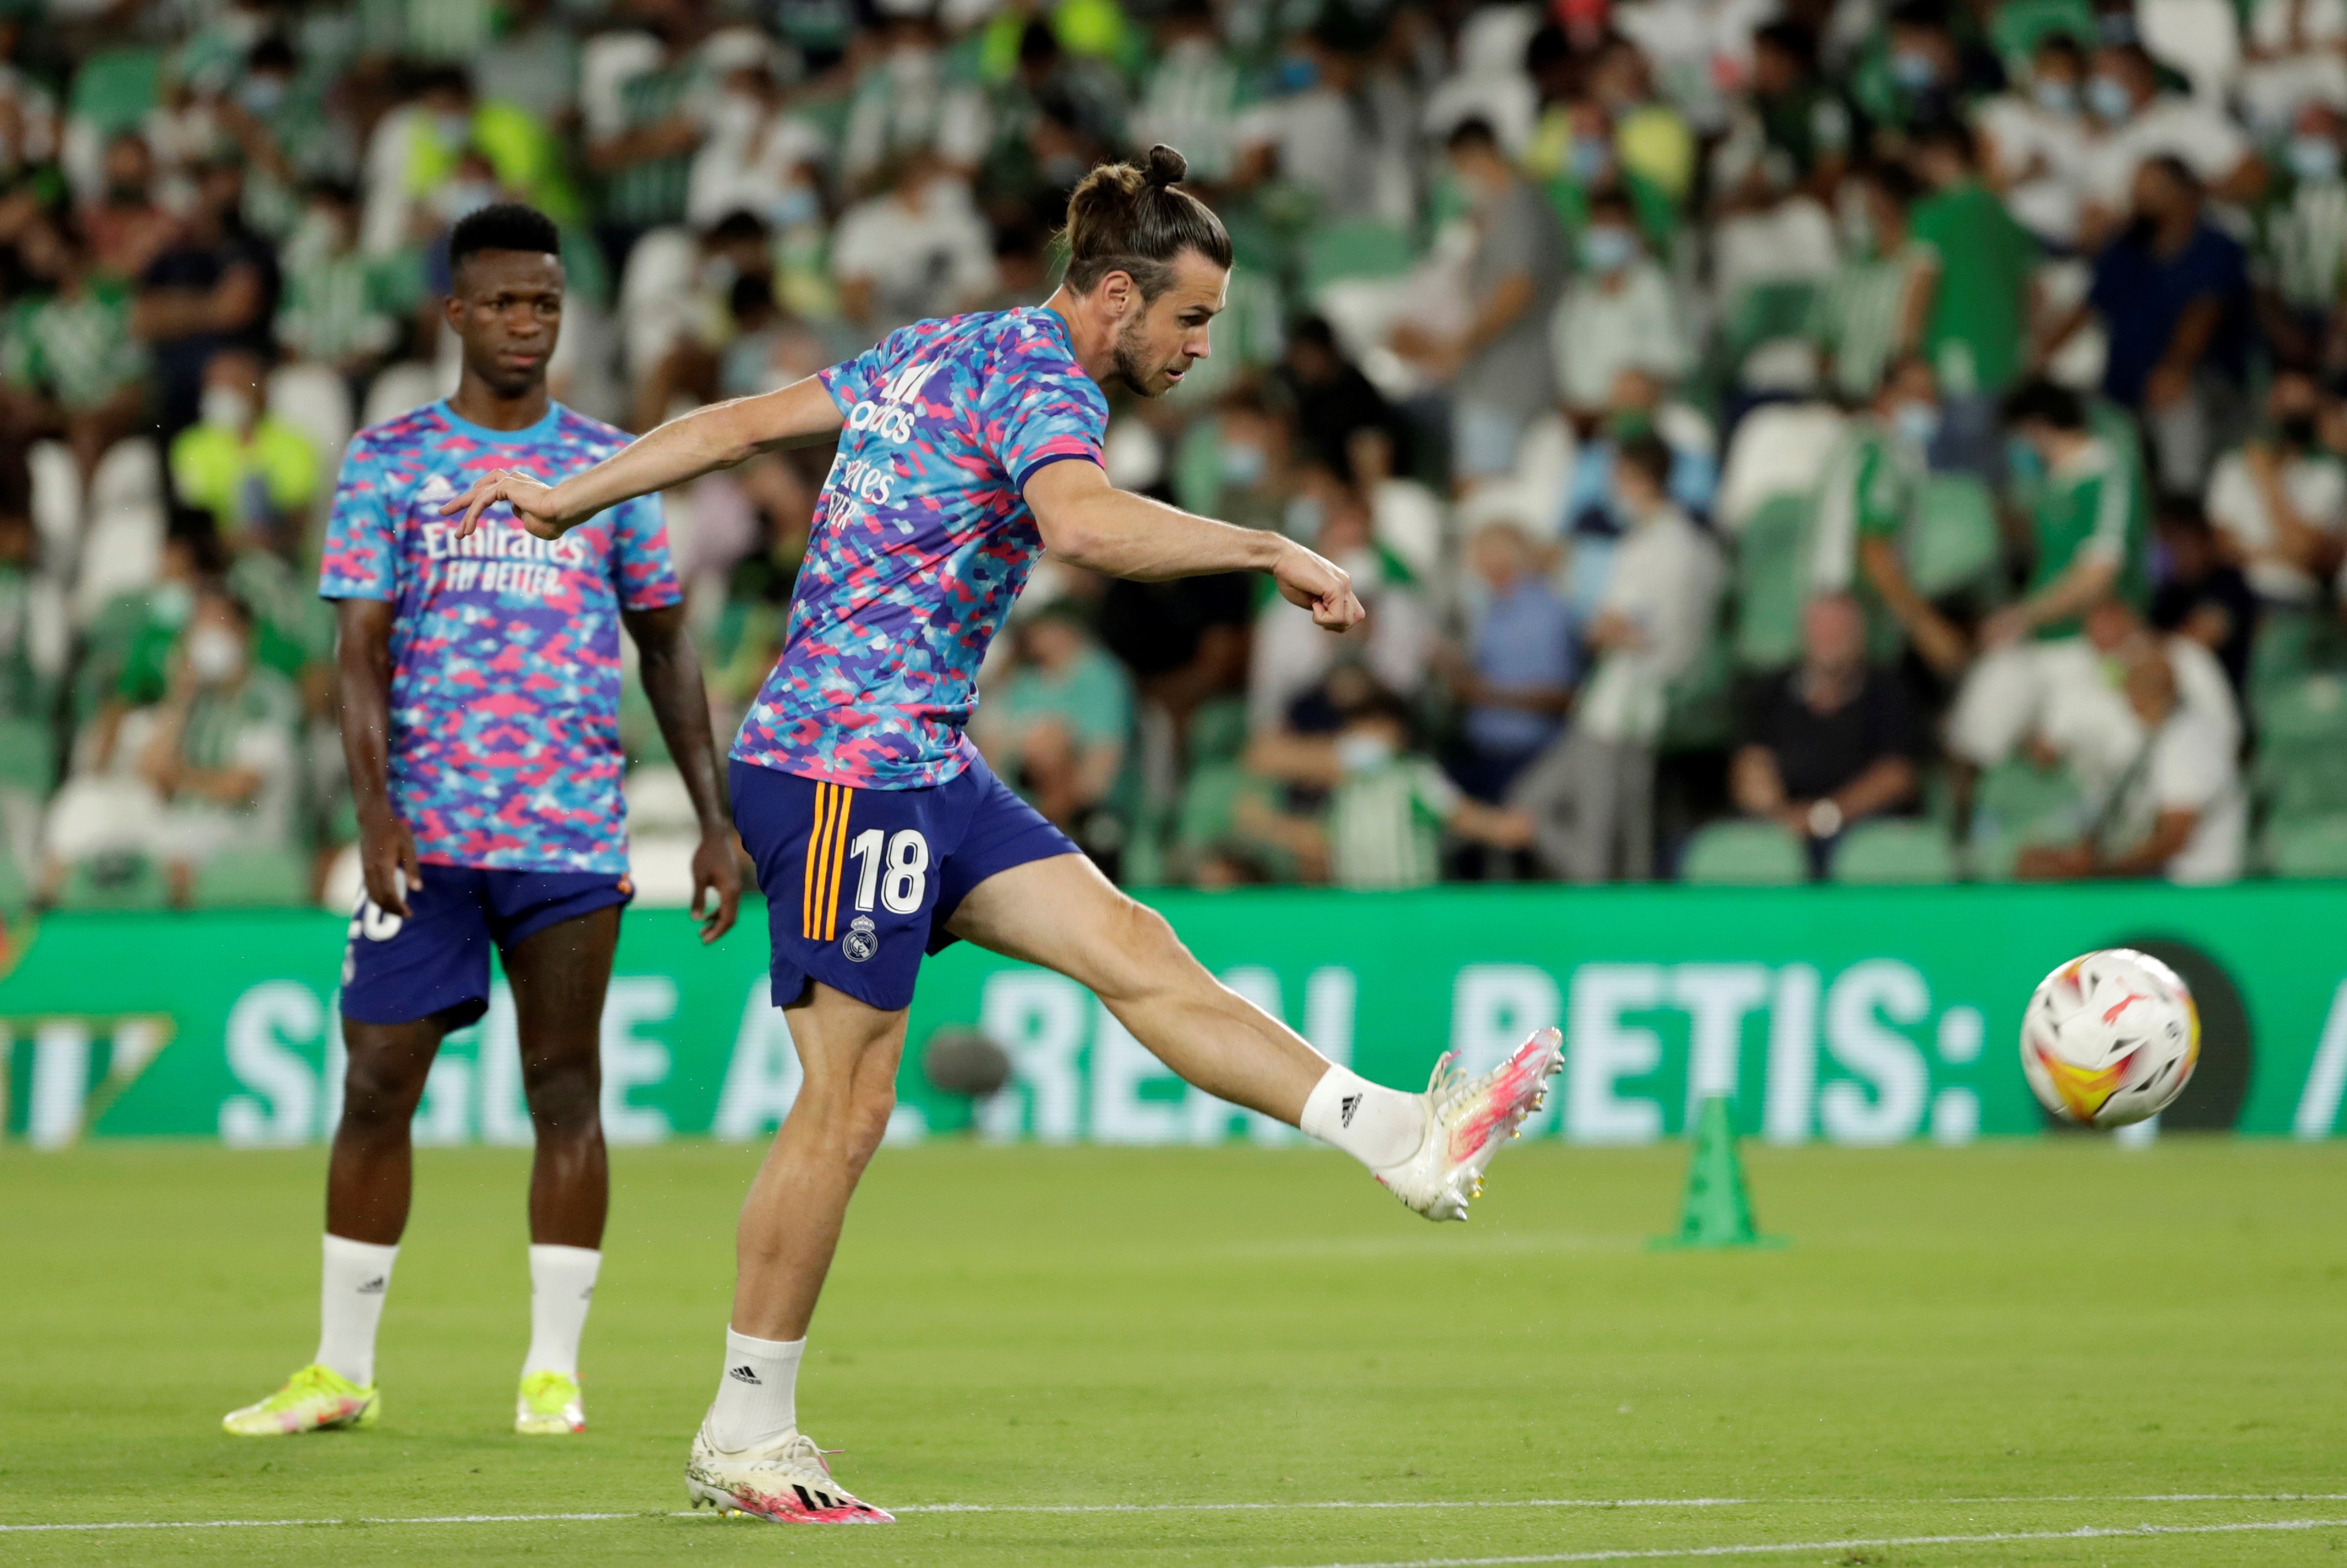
(379, 1098)
(1140, 948)
(565, 1099)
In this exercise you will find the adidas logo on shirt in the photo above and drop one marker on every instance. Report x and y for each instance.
(890, 416)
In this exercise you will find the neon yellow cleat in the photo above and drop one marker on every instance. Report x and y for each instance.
(548, 1406)
(312, 1400)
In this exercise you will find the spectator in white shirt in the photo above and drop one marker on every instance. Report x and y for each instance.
(2280, 502)
(1619, 314)
(2037, 145)
(2176, 811)
(2140, 122)
(1592, 791)
(761, 157)
(918, 249)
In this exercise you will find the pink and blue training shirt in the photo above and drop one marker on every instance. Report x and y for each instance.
(505, 687)
(921, 541)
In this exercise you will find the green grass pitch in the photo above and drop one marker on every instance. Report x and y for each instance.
(1100, 1352)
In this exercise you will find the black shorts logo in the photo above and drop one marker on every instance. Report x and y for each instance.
(862, 941)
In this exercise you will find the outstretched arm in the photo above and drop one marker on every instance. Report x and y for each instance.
(1089, 522)
(707, 439)
(671, 674)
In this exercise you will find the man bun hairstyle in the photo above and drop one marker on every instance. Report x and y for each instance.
(502, 226)
(1138, 220)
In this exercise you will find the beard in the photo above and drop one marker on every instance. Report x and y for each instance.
(1131, 367)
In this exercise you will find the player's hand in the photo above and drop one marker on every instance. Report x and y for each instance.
(716, 871)
(387, 860)
(1320, 586)
(532, 503)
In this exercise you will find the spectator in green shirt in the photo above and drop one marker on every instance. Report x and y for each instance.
(70, 359)
(2090, 522)
(1975, 316)
(1872, 310)
(1059, 723)
(257, 475)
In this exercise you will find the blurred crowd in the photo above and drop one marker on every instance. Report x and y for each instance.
(1775, 438)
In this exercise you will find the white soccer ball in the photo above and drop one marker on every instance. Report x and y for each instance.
(2110, 1037)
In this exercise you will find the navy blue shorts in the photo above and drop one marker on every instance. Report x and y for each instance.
(860, 883)
(437, 959)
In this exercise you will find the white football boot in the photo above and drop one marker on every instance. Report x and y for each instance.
(1467, 1120)
(785, 1481)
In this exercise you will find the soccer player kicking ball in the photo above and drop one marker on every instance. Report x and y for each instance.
(966, 448)
(479, 681)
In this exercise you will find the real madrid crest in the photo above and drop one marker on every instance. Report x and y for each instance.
(862, 941)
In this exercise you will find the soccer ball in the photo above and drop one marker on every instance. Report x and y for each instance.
(2110, 1038)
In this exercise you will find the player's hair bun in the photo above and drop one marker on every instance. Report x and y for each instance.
(1164, 166)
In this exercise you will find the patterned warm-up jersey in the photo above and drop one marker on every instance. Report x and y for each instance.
(921, 540)
(505, 648)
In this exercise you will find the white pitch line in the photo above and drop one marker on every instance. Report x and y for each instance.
(1363, 1505)
(1662, 1554)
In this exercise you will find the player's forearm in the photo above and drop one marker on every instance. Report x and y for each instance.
(1124, 535)
(671, 668)
(701, 442)
(362, 696)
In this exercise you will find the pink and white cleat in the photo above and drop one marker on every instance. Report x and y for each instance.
(1467, 1120)
(785, 1482)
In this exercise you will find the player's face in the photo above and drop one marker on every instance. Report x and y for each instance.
(1161, 340)
(507, 308)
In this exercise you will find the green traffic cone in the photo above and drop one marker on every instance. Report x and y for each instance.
(1717, 1211)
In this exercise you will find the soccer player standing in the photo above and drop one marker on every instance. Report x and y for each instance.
(480, 682)
(966, 447)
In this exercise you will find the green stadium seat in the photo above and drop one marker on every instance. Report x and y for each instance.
(1745, 854)
(254, 879)
(1772, 581)
(1954, 541)
(1699, 712)
(2019, 804)
(16, 887)
(115, 89)
(1763, 311)
(2313, 848)
(1218, 730)
(2301, 770)
(2019, 26)
(28, 755)
(1879, 854)
(115, 881)
(1210, 801)
(1357, 248)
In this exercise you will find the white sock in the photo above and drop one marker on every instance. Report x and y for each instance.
(561, 1284)
(350, 1304)
(758, 1397)
(1378, 1126)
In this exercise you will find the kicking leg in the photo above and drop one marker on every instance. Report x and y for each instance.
(749, 1455)
(1430, 1149)
(560, 976)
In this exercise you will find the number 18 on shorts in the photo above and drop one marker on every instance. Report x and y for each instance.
(859, 883)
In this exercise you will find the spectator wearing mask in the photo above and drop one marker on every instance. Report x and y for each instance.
(1591, 792)
(452, 151)
(762, 156)
(1515, 678)
(1872, 310)
(1975, 318)
(1332, 128)
(256, 475)
(2037, 146)
(2088, 521)
(1865, 506)
(342, 307)
(1933, 76)
(1795, 131)
(2291, 55)
(1059, 723)
(1620, 313)
(644, 127)
(2176, 811)
(907, 102)
(1191, 97)
(2202, 596)
(1387, 804)
(2141, 121)
(71, 363)
(222, 755)
(918, 249)
(1832, 741)
(2301, 245)
(216, 287)
(126, 226)
(1499, 369)
(2172, 293)
(2278, 501)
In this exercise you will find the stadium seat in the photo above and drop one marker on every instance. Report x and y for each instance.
(1362, 248)
(315, 399)
(254, 879)
(1745, 854)
(1779, 449)
(1954, 542)
(2313, 848)
(1877, 854)
(411, 384)
(28, 755)
(1772, 580)
(16, 887)
(122, 554)
(658, 801)
(2019, 804)
(116, 89)
(114, 882)
(130, 475)
(2201, 39)
(660, 866)
(1218, 730)
(2301, 770)
(57, 498)
(2018, 27)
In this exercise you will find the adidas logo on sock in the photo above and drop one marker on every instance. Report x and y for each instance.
(743, 1374)
(375, 1286)
(1345, 1109)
